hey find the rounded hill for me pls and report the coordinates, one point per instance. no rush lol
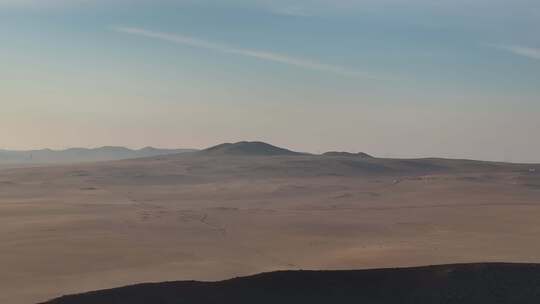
(247, 148)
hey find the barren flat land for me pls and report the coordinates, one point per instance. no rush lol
(210, 216)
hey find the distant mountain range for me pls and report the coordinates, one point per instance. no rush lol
(463, 284)
(74, 155)
(107, 153)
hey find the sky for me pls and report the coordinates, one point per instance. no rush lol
(394, 78)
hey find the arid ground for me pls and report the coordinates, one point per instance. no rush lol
(72, 228)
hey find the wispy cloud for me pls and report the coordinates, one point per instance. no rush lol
(532, 53)
(258, 54)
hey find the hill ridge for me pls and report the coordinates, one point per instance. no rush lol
(347, 154)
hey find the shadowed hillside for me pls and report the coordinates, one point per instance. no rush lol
(464, 283)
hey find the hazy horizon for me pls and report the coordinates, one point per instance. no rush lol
(456, 79)
(195, 149)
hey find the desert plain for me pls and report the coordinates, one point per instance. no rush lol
(72, 228)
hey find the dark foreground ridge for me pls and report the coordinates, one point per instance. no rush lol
(461, 283)
(246, 148)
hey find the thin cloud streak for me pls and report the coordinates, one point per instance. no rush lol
(258, 54)
(294, 11)
(523, 51)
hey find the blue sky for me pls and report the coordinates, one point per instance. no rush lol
(390, 77)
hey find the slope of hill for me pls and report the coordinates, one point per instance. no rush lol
(73, 155)
(247, 148)
(461, 283)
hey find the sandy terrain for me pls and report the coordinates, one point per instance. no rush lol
(74, 228)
